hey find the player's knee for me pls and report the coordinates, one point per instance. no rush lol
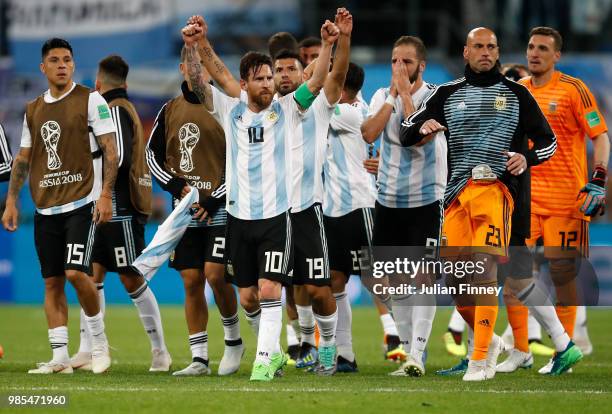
(562, 271)
(54, 285)
(338, 281)
(74, 276)
(131, 283)
(269, 289)
(249, 299)
(318, 294)
(193, 281)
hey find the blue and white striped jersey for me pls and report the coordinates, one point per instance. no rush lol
(348, 186)
(408, 176)
(308, 146)
(258, 171)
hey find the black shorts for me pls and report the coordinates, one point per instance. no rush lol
(198, 246)
(310, 258)
(350, 241)
(64, 241)
(259, 249)
(418, 226)
(119, 243)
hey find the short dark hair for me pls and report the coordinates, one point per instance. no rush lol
(310, 42)
(114, 69)
(548, 31)
(252, 62)
(55, 43)
(415, 42)
(354, 78)
(280, 41)
(289, 54)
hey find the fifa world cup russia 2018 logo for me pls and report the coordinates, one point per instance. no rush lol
(50, 132)
(189, 135)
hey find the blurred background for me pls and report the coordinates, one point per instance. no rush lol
(147, 34)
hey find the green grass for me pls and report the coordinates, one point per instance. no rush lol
(129, 387)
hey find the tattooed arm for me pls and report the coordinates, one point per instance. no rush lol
(19, 173)
(213, 64)
(103, 211)
(199, 86)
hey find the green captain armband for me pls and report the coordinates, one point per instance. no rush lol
(303, 96)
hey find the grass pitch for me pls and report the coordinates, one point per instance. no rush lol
(129, 387)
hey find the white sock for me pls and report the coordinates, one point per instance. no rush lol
(85, 340)
(388, 324)
(95, 325)
(58, 338)
(231, 330)
(198, 343)
(253, 320)
(292, 339)
(543, 310)
(270, 328)
(534, 328)
(422, 319)
(456, 323)
(344, 336)
(507, 331)
(295, 324)
(307, 323)
(402, 314)
(327, 328)
(148, 310)
(580, 326)
(101, 297)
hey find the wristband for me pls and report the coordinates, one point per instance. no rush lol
(390, 100)
(599, 176)
(303, 96)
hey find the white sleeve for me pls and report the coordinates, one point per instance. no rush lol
(99, 116)
(222, 104)
(26, 137)
(377, 101)
(347, 119)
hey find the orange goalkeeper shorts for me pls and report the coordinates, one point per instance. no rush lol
(479, 220)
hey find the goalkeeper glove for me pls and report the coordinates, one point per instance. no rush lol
(595, 201)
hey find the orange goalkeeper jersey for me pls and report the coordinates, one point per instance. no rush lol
(572, 112)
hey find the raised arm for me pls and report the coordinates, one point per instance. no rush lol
(381, 108)
(335, 80)
(213, 64)
(21, 167)
(192, 34)
(329, 35)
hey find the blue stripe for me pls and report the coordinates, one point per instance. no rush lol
(282, 199)
(255, 172)
(308, 159)
(234, 195)
(346, 199)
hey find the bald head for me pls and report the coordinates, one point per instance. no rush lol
(481, 51)
(479, 31)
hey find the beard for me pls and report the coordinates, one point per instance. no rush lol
(263, 100)
(415, 75)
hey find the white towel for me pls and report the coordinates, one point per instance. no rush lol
(166, 237)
